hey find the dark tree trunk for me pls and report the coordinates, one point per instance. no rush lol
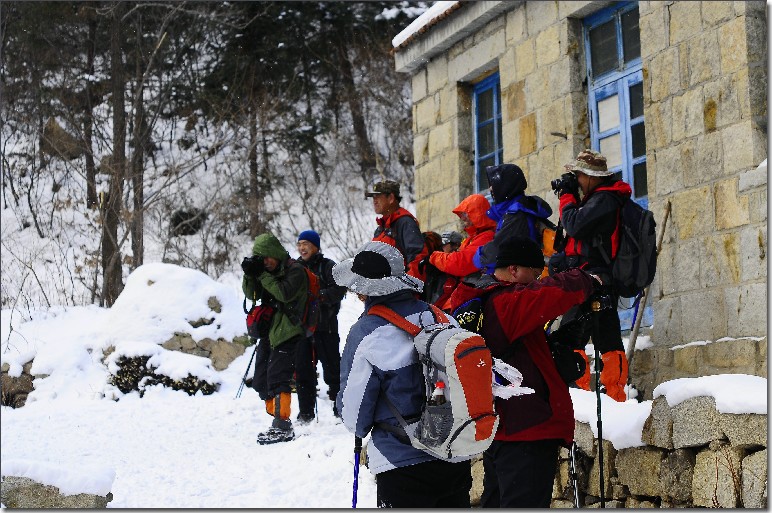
(366, 152)
(140, 138)
(88, 120)
(112, 279)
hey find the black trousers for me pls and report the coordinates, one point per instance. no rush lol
(274, 367)
(605, 327)
(519, 474)
(305, 375)
(433, 484)
(327, 347)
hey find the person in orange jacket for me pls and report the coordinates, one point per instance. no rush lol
(480, 228)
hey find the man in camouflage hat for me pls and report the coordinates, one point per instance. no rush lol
(591, 227)
(396, 226)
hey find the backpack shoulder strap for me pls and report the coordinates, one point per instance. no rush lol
(400, 322)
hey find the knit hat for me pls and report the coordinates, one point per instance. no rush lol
(310, 236)
(590, 163)
(506, 181)
(377, 269)
(384, 187)
(520, 251)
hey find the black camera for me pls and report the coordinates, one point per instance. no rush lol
(252, 265)
(566, 183)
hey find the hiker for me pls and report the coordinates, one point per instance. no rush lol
(379, 360)
(435, 281)
(279, 281)
(451, 241)
(515, 213)
(472, 213)
(521, 462)
(326, 340)
(397, 226)
(591, 226)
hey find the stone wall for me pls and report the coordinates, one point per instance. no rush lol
(23, 492)
(694, 457)
(705, 107)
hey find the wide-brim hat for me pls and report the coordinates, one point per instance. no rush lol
(384, 187)
(377, 269)
(590, 163)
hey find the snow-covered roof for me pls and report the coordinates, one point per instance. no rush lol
(430, 17)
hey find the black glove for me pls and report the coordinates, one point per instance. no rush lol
(573, 334)
(252, 266)
(424, 266)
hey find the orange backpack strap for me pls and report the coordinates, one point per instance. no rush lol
(402, 323)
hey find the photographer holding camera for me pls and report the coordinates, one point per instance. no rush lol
(590, 226)
(279, 281)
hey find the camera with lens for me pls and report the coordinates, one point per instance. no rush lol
(252, 265)
(566, 183)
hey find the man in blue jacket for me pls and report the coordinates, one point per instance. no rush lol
(379, 360)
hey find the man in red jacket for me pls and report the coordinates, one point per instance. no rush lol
(521, 462)
(396, 226)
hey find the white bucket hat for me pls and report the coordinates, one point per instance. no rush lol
(377, 269)
(590, 163)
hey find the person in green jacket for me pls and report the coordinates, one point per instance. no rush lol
(279, 282)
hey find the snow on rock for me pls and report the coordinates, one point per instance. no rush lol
(71, 479)
(734, 393)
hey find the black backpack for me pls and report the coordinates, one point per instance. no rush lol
(636, 260)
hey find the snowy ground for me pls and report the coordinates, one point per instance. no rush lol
(170, 450)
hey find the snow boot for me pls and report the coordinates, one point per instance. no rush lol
(305, 418)
(281, 427)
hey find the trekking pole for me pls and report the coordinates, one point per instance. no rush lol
(357, 453)
(244, 378)
(642, 303)
(573, 475)
(596, 307)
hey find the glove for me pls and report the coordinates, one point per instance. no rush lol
(252, 266)
(572, 189)
(423, 264)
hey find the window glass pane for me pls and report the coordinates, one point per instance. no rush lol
(631, 36)
(485, 105)
(482, 179)
(608, 113)
(636, 100)
(638, 133)
(485, 141)
(639, 180)
(611, 148)
(603, 48)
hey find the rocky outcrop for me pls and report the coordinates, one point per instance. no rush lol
(23, 492)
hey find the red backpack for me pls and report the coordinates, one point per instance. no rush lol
(312, 309)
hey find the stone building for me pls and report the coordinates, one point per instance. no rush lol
(673, 93)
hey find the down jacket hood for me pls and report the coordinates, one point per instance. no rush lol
(475, 206)
(267, 245)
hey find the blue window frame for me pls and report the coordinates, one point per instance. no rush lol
(615, 86)
(488, 142)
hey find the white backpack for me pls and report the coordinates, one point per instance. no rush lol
(466, 423)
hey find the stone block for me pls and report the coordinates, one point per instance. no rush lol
(553, 121)
(659, 124)
(668, 159)
(716, 482)
(594, 484)
(540, 15)
(665, 67)
(515, 28)
(528, 134)
(449, 104)
(514, 101)
(667, 313)
(687, 360)
(418, 85)
(756, 38)
(685, 269)
(738, 141)
(731, 208)
(653, 32)
(507, 70)
(754, 480)
(425, 114)
(638, 468)
(676, 474)
(695, 422)
(731, 354)
(223, 353)
(480, 57)
(692, 212)
(704, 61)
(658, 428)
(685, 21)
(420, 149)
(547, 45)
(584, 438)
(437, 73)
(753, 178)
(525, 59)
(714, 13)
(704, 318)
(746, 431)
(722, 102)
(753, 241)
(688, 114)
(757, 206)
(734, 48)
(708, 160)
(511, 133)
(440, 139)
(746, 308)
(539, 95)
(206, 344)
(720, 259)
(561, 79)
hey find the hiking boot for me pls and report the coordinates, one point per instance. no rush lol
(305, 418)
(275, 435)
(335, 410)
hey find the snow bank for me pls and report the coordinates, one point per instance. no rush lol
(734, 393)
(70, 479)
